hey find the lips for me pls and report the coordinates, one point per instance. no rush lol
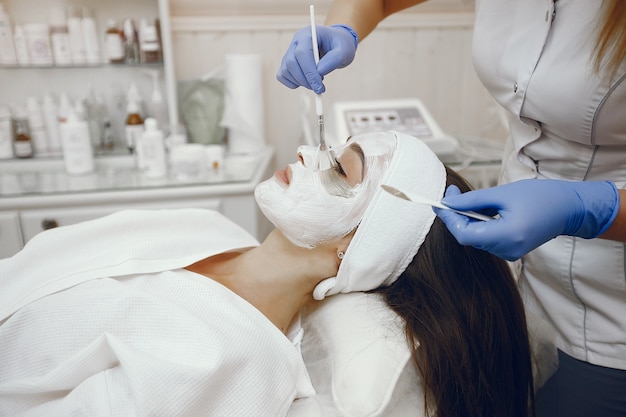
(283, 176)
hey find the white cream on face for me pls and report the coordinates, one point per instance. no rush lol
(306, 213)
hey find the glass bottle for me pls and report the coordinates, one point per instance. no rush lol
(22, 144)
(131, 42)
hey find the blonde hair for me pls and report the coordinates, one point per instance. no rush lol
(611, 43)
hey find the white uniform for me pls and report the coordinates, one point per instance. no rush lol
(98, 319)
(535, 57)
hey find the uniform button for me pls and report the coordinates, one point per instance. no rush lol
(547, 15)
(515, 87)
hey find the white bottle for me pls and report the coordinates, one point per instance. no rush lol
(153, 150)
(77, 150)
(21, 46)
(156, 106)
(60, 38)
(91, 38)
(38, 132)
(38, 41)
(75, 33)
(6, 133)
(7, 47)
(51, 118)
(64, 107)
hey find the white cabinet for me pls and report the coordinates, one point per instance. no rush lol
(34, 198)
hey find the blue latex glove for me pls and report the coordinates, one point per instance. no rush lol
(337, 47)
(531, 212)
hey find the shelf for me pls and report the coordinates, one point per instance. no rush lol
(82, 66)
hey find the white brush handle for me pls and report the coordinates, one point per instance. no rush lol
(319, 106)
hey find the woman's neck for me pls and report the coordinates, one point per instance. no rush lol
(276, 281)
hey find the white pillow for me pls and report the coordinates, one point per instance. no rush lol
(355, 350)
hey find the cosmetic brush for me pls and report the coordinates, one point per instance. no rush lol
(325, 156)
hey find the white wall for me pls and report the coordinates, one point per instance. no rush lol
(424, 54)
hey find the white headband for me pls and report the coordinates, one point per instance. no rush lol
(392, 229)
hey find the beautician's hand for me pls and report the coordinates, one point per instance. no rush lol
(337, 47)
(531, 213)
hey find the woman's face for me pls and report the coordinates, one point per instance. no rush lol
(297, 201)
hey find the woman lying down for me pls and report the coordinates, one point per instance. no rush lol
(182, 313)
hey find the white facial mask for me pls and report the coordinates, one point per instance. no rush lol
(306, 213)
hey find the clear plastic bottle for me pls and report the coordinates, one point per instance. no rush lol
(131, 42)
(7, 47)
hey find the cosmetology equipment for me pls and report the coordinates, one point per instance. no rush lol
(325, 156)
(404, 115)
(423, 200)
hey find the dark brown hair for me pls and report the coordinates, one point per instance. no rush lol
(466, 328)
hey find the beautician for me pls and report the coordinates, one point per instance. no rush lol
(558, 68)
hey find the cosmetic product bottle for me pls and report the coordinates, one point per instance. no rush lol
(108, 142)
(60, 38)
(153, 150)
(22, 145)
(7, 47)
(131, 42)
(64, 107)
(38, 41)
(21, 46)
(90, 37)
(156, 106)
(77, 150)
(75, 32)
(6, 133)
(50, 112)
(134, 126)
(150, 50)
(38, 132)
(114, 43)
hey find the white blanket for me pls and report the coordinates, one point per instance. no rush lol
(135, 342)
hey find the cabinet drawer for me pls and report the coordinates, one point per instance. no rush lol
(35, 221)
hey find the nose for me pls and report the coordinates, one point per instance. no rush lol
(307, 155)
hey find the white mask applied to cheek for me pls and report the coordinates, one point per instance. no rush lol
(306, 213)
